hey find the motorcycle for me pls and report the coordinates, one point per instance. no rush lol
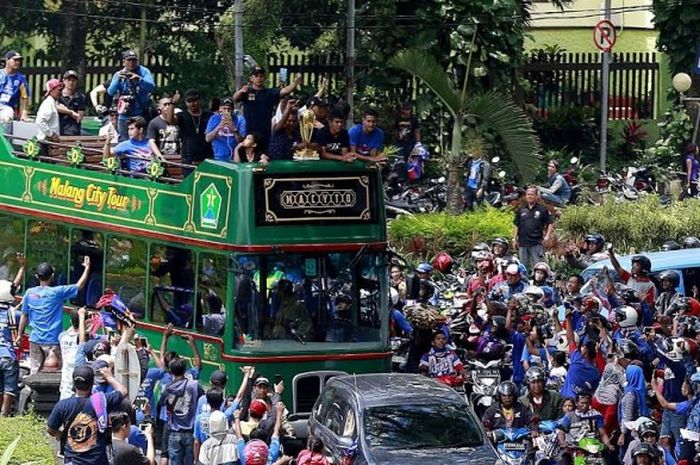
(587, 451)
(513, 445)
(484, 378)
(546, 444)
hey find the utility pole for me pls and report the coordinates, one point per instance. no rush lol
(238, 41)
(350, 62)
(604, 104)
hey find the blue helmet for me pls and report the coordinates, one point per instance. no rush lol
(424, 268)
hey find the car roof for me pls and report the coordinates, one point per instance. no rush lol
(660, 261)
(377, 389)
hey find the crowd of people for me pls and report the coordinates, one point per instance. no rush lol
(614, 357)
(256, 124)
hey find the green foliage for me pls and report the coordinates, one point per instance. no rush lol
(674, 130)
(570, 129)
(424, 235)
(33, 446)
(677, 23)
(620, 222)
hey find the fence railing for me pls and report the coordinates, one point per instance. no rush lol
(574, 80)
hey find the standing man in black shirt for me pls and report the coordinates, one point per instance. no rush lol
(334, 140)
(71, 105)
(193, 125)
(407, 130)
(259, 103)
(530, 222)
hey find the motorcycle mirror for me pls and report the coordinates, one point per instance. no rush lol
(573, 160)
(495, 160)
(501, 174)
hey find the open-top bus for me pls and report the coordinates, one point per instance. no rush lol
(219, 240)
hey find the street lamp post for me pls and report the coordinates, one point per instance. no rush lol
(682, 83)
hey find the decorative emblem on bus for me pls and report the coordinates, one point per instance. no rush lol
(75, 154)
(210, 207)
(31, 148)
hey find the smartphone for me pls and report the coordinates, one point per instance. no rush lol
(144, 342)
(648, 329)
(284, 74)
(278, 378)
(140, 402)
(143, 425)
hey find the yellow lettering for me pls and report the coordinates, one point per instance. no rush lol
(64, 191)
(116, 201)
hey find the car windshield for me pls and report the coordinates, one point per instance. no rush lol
(421, 426)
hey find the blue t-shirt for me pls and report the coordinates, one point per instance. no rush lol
(581, 371)
(145, 86)
(85, 445)
(6, 349)
(225, 141)
(138, 438)
(363, 142)
(12, 88)
(43, 305)
(140, 149)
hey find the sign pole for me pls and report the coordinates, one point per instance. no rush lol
(604, 97)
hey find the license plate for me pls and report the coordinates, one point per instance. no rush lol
(514, 447)
(488, 373)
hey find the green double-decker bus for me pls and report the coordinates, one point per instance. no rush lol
(283, 267)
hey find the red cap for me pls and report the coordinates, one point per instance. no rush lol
(258, 407)
(52, 85)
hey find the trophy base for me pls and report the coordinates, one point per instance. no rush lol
(306, 154)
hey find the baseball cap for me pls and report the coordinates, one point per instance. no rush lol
(257, 70)
(130, 55)
(12, 54)
(192, 94)
(227, 101)
(218, 377)
(83, 377)
(52, 85)
(258, 407)
(262, 380)
(44, 270)
(70, 73)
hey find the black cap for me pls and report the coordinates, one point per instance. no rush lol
(227, 101)
(218, 377)
(70, 73)
(192, 94)
(83, 377)
(12, 54)
(44, 270)
(257, 70)
(317, 102)
(262, 380)
(129, 55)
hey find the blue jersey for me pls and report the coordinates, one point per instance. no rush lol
(13, 87)
(364, 143)
(143, 88)
(43, 305)
(137, 154)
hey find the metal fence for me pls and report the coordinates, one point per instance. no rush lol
(574, 80)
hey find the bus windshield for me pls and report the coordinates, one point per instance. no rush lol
(303, 302)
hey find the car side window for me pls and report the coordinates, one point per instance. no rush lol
(340, 419)
(321, 410)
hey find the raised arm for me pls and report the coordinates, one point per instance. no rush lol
(82, 331)
(20, 273)
(119, 387)
(86, 272)
(164, 342)
(195, 352)
(613, 260)
(95, 93)
(292, 85)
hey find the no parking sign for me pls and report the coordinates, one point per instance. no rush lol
(604, 35)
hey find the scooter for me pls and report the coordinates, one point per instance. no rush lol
(546, 444)
(484, 378)
(513, 445)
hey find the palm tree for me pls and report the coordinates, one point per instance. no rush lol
(495, 110)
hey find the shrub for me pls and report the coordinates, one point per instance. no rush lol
(33, 445)
(423, 236)
(633, 226)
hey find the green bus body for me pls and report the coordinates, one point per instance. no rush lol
(320, 216)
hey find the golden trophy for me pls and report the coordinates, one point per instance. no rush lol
(306, 129)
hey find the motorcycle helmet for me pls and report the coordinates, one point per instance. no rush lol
(507, 388)
(685, 306)
(591, 303)
(691, 242)
(543, 267)
(670, 275)
(502, 242)
(627, 349)
(480, 247)
(484, 262)
(626, 293)
(694, 381)
(626, 316)
(644, 449)
(429, 288)
(670, 245)
(535, 373)
(644, 262)
(7, 291)
(648, 426)
(534, 293)
(443, 262)
(562, 341)
(594, 238)
(583, 391)
(424, 268)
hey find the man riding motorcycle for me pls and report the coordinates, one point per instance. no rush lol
(507, 412)
(592, 252)
(583, 422)
(544, 404)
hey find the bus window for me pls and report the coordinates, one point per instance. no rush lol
(125, 272)
(87, 243)
(47, 242)
(12, 240)
(212, 293)
(172, 286)
(309, 300)
(247, 299)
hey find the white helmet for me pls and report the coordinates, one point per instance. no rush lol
(627, 316)
(562, 341)
(7, 292)
(680, 347)
(534, 293)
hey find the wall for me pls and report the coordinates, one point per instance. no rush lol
(581, 39)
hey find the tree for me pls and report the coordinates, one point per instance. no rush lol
(495, 110)
(677, 23)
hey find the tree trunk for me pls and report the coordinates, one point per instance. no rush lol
(72, 48)
(454, 186)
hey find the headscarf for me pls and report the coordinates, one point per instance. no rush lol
(637, 385)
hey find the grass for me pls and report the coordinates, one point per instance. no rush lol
(33, 446)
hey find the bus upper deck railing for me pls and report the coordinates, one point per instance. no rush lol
(85, 154)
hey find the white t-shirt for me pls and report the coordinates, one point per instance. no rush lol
(47, 119)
